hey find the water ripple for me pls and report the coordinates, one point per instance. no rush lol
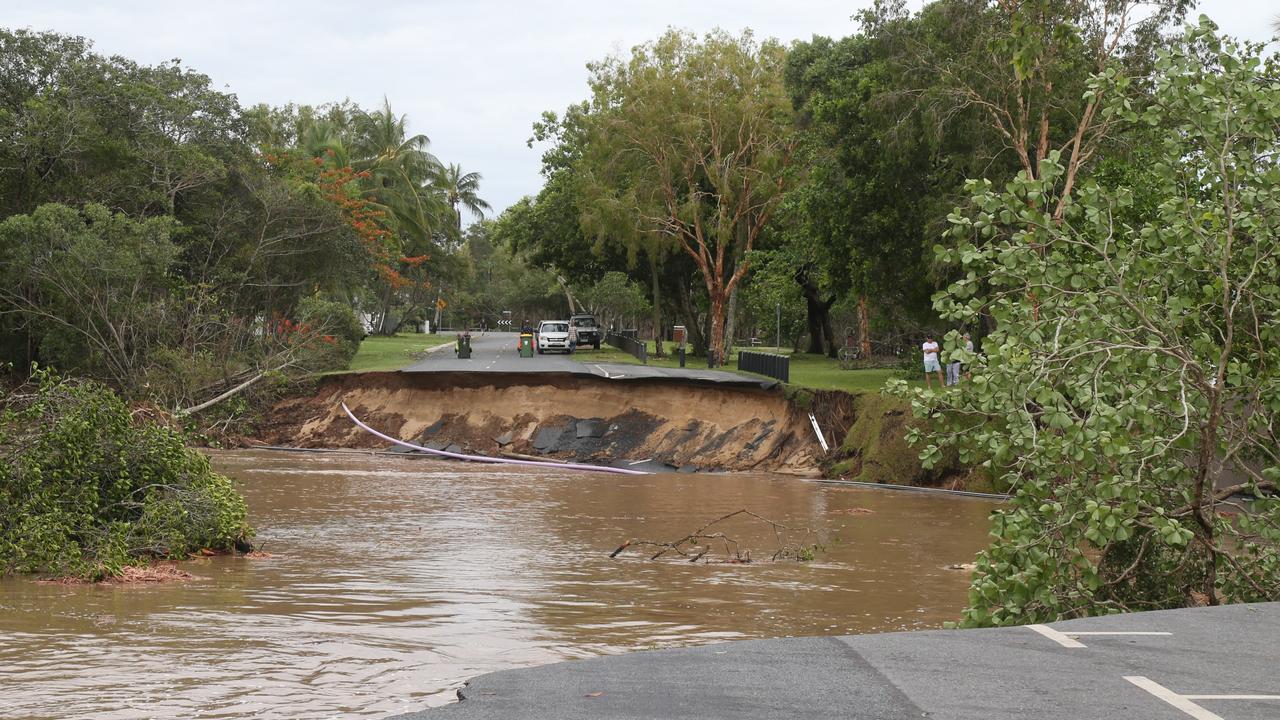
(393, 580)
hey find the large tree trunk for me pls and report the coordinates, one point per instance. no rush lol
(715, 348)
(833, 350)
(564, 285)
(385, 321)
(692, 323)
(657, 310)
(817, 315)
(864, 326)
(731, 324)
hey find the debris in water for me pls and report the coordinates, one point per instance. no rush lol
(697, 544)
(131, 575)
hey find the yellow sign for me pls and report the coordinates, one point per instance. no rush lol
(441, 304)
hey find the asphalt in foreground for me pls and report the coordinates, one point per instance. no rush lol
(498, 352)
(1201, 663)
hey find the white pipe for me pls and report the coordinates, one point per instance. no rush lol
(821, 440)
(484, 459)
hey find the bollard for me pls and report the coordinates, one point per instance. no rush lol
(681, 356)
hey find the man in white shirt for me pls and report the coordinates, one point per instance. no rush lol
(931, 364)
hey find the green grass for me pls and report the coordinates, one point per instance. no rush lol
(379, 352)
(823, 373)
(807, 371)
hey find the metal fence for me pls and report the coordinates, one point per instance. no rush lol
(775, 366)
(626, 341)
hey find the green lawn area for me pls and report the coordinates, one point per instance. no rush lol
(379, 352)
(810, 371)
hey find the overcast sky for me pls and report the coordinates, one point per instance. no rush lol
(471, 74)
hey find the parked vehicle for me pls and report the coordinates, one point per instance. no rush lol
(586, 331)
(554, 335)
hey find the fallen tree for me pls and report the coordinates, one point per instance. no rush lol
(696, 545)
(88, 488)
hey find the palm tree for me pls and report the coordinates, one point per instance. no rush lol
(323, 139)
(401, 169)
(461, 190)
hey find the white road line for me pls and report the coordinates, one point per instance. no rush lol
(1056, 636)
(606, 372)
(1182, 702)
(1082, 634)
(1067, 638)
(1232, 697)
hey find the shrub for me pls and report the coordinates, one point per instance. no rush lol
(338, 325)
(86, 489)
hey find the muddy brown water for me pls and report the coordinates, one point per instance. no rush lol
(395, 579)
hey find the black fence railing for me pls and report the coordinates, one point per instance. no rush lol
(626, 341)
(775, 366)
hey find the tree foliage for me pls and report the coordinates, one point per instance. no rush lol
(1128, 395)
(691, 139)
(86, 489)
(614, 300)
(225, 226)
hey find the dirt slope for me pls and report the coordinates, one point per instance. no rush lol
(579, 418)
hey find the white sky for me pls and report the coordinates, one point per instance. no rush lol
(472, 75)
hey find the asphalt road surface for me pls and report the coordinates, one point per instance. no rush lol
(1201, 663)
(499, 352)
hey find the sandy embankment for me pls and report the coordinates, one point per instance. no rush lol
(569, 417)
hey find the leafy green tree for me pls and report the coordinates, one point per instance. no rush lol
(94, 287)
(499, 280)
(858, 221)
(692, 137)
(772, 291)
(1131, 406)
(82, 128)
(614, 299)
(1021, 69)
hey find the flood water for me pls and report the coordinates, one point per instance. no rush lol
(392, 580)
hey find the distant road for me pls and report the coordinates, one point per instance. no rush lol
(498, 352)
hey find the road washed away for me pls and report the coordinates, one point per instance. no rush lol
(656, 423)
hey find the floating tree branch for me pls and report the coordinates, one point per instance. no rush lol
(698, 543)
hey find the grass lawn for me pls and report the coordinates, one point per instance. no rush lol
(808, 371)
(379, 352)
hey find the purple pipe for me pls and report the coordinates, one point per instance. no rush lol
(483, 459)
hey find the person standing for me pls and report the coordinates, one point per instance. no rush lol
(964, 369)
(953, 368)
(931, 365)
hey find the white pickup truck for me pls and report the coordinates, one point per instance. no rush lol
(554, 335)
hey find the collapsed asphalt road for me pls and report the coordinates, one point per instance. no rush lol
(498, 352)
(1201, 663)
